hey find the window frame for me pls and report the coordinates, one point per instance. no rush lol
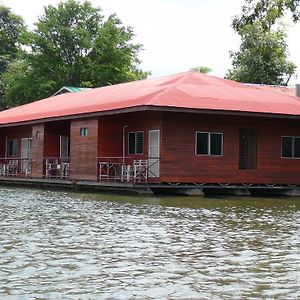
(293, 146)
(209, 143)
(83, 131)
(135, 143)
(7, 148)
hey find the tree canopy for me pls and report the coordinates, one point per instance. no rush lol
(263, 54)
(262, 57)
(11, 29)
(267, 12)
(202, 69)
(72, 44)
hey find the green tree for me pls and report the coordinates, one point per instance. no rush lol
(114, 58)
(263, 53)
(268, 12)
(11, 29)
(201, 69)
(73, 45)
(262, 57)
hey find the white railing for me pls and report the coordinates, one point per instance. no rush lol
(126, 169)
(57, 167)
(15, 167)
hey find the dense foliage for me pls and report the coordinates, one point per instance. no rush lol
(72, 45)
(263, 54)
(202, 69)
(262, 57)
(268, 12)
(11, 28)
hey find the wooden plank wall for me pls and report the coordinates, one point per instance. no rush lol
(2, 142)
(111, 132)
(53, 130)
(180, 164)
(83, 150)
(38, 151)
(16, 132)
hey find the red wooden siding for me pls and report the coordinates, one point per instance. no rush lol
(2, 142)
(111, 132)
(17, 132)
(83, 150)
(53, 131)
(110, 136)
(37, 151)
(180, 164)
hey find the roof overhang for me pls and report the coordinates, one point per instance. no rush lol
(153, 108)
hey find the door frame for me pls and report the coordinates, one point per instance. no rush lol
(155, 159)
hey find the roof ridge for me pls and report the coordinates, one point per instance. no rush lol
(163, 91)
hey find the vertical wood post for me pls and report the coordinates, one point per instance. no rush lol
(84, 149)
(38, 134)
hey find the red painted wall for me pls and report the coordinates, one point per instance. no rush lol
(180, 164)
(178, 160)
(2, 142)
(53, 130)
(111, 132)
(16, 132)
(83, 150)
(37, 151)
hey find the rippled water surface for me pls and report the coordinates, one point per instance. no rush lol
(58, 245)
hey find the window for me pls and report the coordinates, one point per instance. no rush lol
(290, 147)
(209, 143)
(12, 147)
(248, 149)
(136, 142)
(84, 132)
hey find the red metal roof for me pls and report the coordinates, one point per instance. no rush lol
(189, 90)
(287, 90)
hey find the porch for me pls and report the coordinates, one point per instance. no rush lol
(128, 169)
(17, 167)
(57, 167)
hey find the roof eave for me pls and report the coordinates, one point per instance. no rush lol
(153, 108)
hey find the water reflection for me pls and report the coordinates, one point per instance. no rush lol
(57, 245)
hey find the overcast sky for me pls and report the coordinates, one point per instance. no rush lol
(176, 34)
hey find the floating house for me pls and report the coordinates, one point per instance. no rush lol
(182, 131)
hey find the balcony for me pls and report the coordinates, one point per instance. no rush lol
(126, 169)
(57, 167)
(17, 167)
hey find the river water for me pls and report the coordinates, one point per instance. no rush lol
(59, 245)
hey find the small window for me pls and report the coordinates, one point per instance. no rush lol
(209, 143)
(12, 147)
(290, 147)
(136, 142)
(84, 132)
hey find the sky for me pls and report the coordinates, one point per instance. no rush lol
(177, 35)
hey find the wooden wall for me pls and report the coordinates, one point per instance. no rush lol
(83, 150)
(53, 130)
(16, 132)
(180, 164)
(111, 132)
(178, 160)
(2, 142)
(38, 151)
